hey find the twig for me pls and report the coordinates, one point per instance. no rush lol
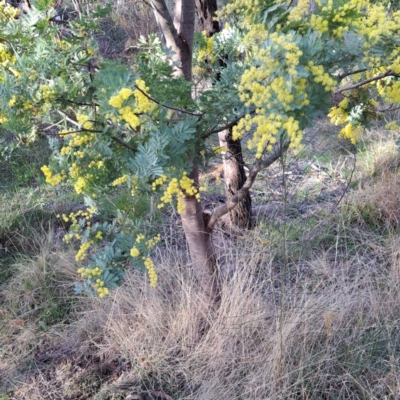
(122, 143)
(344, 74)
(169, 107)
(63, 113)
(356, 85)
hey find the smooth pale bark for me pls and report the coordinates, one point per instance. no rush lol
(179, 41)
(178, 33)
(201, 249)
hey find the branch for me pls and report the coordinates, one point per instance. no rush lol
(344, 74)
(356, 85)
(122, 143)
(169, 107)
(229, 125)
(242, 193)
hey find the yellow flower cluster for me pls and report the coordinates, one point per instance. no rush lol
(80, 185)
(392, 126)
(395, 66)
(134, 187)
(75, 227)
(53, 179)
(266, 87)
(83, 250)
(159, 181)
(322, 77)
(96, 164)
(12, 101)
(152, 242)
(378, 23)
(205, 51)
(219, 149)
(74, 170)
(6, 57)
(390, 91)
(337, 18)
(139, 238)
(181, 189)
(339, 115)
(144, 105)
(148, 263)
(79, 138)
(102, 291)
(120, 181)
(128, 115)
(141, 103)
(84, 121)
(351, 132)
(89, 272)
(45, 92)
(124, 94)
(135, 252)
(7, 12)
(298, 12)
(3, 119)
(79, 154)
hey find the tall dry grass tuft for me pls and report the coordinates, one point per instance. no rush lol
(332, 335)
(37, 305)
(376, 203)
(327, 328)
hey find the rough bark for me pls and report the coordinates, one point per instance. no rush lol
(206, 10)
(259, 165)
(234, 173)
(234, 179)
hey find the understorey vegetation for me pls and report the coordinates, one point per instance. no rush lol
(211, 212)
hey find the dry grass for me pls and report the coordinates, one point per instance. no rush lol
(333, 333)
(377, 201)
(320, 323)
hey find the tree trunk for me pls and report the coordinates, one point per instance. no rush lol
(178, 33)
(234, 179)
(234, 173)
(200, 245)
(206, 11)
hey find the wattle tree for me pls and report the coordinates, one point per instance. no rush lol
(124, 134)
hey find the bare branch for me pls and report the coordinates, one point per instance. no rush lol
(122, 143)
(356, 85)
(344, 74)
(218, 212)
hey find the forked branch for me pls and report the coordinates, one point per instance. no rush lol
(218, 212)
